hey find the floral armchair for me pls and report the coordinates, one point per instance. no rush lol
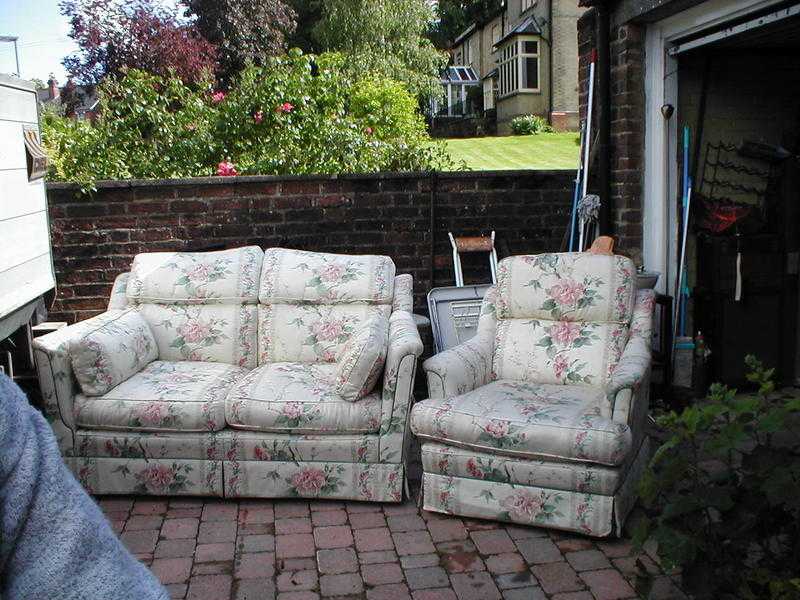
(540, 418)
(241, 374)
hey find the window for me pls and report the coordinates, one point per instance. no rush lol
(519, 66)
(467, 53)
(457, 59)
(526, 4)
(495, 34)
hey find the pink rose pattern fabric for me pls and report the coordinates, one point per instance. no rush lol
(517, 418)
(165, 396)
(224, 277)
(114, 346)
(298, 398)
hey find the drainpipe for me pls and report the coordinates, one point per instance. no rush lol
(604, 117)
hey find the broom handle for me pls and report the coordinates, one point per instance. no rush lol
(588, 139)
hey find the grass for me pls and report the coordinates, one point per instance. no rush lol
(542, 151)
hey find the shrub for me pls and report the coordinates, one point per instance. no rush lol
(723, 493)
(299, 114)
(530, 125)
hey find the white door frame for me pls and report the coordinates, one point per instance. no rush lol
(659, 218)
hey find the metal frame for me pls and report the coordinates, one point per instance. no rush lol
(459, 273)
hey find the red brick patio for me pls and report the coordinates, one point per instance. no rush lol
(295, 550)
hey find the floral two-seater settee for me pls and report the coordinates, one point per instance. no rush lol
(239, 373)
(540, 418)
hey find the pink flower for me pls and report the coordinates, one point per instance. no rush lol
(157, 477)
(286, 107)
(497, 429)
(368, 130)
(260, 453)
(112, 449)
(332, 272)
(218, 97)
(309, 481)
(152, 414)
(523, 504)
(474, 470)
(567, 292)
(560, 365)
(194, 331)
(293, 410)
(226, 169)
(564, 332)
(200, 272)
(258, 116)
(327, 331)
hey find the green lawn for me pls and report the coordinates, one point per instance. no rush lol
(542, 151)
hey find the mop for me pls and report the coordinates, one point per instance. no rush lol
(587, 138)
(576, 192)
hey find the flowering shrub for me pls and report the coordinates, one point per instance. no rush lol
(299, 114)
(530, 125)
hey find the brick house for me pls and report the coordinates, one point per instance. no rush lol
(727, 70)
(522, 60)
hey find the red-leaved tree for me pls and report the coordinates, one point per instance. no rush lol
(116, 34)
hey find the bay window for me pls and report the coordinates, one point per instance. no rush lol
(519, 65)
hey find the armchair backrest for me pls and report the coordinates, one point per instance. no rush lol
(562, 318)
(201, 306)
(310, 303)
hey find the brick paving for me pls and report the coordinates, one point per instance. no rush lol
(206, 549)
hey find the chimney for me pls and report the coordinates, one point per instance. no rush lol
(52, 86)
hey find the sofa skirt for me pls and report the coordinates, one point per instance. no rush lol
(369, 482)
(593, 514)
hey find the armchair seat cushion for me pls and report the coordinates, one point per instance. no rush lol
(164, 396)
(524, 419)
(299, 398)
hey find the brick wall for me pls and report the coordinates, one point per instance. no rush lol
(96, 237)
(627, 125)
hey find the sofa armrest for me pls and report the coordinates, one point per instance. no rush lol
(634, 364)
(118, 299)
(461, 368)
(405, 347)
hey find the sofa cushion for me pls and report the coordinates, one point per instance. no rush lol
(297, 276)
(566, 287)
(518, 418)
(114, 346)
(361, 361)
(164, 396)
(298, 398)
(210, 333)
(225, 277)
(309, 332)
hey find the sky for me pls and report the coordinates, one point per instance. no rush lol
(43, 38)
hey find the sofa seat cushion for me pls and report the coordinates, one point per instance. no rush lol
(164, 396)
(299, 398)
(519, 418)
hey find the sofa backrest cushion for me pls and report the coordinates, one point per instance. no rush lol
(112, 347)
(362, 358)
(200, 305)
(562, 318)
(223, 277)
(311, 303)
(300, 277)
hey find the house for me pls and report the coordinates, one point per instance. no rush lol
(77, 101)
(722, 74)
(522, 60)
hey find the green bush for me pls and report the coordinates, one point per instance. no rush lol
(299, 114)
(723, 493)
(530, 125)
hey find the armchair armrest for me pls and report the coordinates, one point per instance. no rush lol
(118, 299)
(461, 368)
(405, 347)
(628, 388)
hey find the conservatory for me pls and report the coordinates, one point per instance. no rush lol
(457, 100)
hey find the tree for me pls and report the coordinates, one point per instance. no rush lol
(384, 38)
(115, 35)
(454, 16)
(307, 17)
(245, 31)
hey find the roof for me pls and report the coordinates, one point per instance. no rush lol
(459, 74)
(464, 34)
(527, 26)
